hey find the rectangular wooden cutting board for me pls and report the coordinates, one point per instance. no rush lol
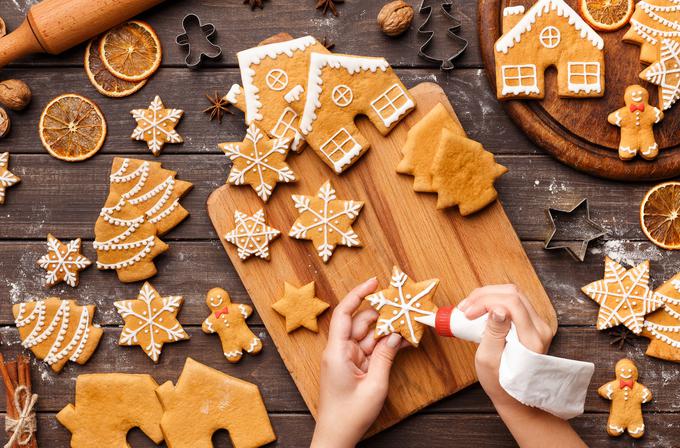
(397, 227)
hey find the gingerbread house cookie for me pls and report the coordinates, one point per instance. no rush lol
(274, 76)
(550, 33)
(339, 88)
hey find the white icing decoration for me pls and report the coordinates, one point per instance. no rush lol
(664, 332)
(233, 354)
(255, 55)
(69, 263)
(7, 179)
(618, 117)
(254, 343)
(550, 37)
(276, 79)
(154, 125)
(333, 146)
(513, 36)
(294, 94)
(666, 74)
(317, 62)
(579, 74)
(243, 310)
(408, 307)
(652, 10)
(513, 10)
(650, 149)
(514, 73)
(627, 150)
(342, 95)
(251, 235)
(393, 100)
(285, 123)
(233, 94)
(651, 34)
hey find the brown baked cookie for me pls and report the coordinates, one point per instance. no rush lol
(150, 321)
(252, 235)
(7, 178)
(57, 331)
(107, 406)
(401, 303)
(228, 320)
(205, 400)
(627, 397)
(662, 327)
(300, 307)
(156, 125)
(63, 262)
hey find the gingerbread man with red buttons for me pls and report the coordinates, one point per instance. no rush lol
(228, 320)
(627, 397)
(636, 120)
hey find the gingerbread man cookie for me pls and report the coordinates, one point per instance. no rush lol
(627, 397)
(228, 320)
(636, 121)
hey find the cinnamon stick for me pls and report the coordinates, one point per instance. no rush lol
(14, 374)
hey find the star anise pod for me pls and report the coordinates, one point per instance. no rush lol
(620, 336)
(218, 107)
(329, 44)
(254, 4)
(328, 5)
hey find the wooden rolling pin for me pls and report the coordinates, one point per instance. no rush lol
(53, 26)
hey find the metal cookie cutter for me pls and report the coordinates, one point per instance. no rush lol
(447, 62)
(208, 31)
(577, 223)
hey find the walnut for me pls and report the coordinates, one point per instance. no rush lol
(14, 94)
(395, 17)
(4, 123)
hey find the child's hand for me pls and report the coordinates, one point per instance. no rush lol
(505, 304)
(355, 372)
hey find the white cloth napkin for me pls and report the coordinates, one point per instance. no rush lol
(552, 384)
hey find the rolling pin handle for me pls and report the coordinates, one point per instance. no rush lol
(19, 43)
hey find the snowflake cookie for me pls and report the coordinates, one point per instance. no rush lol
(156, 125)
(666, 72)
(326, 220)
(259, 162)
(624, 296)
(150, 321)
(7, 179)
(63, 262)
(401, 303)
(57, 331)
(300, 307)
(228, 320)
(252, 235)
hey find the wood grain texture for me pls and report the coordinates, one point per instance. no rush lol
(576, 131)
(397, 227)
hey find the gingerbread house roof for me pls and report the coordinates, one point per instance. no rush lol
(353, 64)
(513, 36)
(247, 58)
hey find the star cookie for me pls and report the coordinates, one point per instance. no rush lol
(252, 235)
(156, 125)
(7, 179)
(150, 321)
(401, 303)
(326, 221)
(666, 73)
(624, 296)
(259, 162)
(300, 307)
(63, 262)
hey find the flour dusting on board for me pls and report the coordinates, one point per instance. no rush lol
(629, 252)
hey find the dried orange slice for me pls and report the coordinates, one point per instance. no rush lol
(131, 51)
(660, 215)
(72, 128)
(606, 15)
(102, 79)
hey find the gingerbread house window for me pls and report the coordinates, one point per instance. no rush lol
(341, 148)
(342, 95)
(550, 37)
(519, 79)
(391, 104)
(277, 79)
(285, 123)
(583, 76)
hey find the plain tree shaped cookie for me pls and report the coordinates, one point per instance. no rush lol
(206, 400)
(108, 406)
(228, 320)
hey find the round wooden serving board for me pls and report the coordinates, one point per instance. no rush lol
(576, 131)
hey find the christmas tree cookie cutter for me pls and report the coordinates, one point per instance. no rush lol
(574, 237)
(446, 6)
(208, 31)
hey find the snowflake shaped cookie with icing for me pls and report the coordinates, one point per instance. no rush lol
(7, 179)
(252, 235)
(63, 262)
(624, 296)
(150, 321)
(401, 303)
(156, 125)
(259, 162)
(326, 220)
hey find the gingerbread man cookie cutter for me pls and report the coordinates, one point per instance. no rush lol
(208, 31)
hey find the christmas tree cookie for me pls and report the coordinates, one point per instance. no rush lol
(662, 327)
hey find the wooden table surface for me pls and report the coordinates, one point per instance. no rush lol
(65, 199)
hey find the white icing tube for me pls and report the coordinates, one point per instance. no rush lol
(552, 384)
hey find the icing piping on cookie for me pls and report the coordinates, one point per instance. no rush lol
(233, 94)
(251, 235)
(63, 265)
(294, 94)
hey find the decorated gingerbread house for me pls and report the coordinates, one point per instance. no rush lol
(340, 87)
(550, 33)
(275, 74)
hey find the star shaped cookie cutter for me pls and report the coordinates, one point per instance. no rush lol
(577, 243)
(208, 30)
